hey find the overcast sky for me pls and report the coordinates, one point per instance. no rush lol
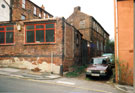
(101, 10)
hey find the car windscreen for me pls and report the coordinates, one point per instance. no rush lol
(98, 61)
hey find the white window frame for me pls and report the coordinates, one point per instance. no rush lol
(35, 10)
(23, 17)
(23, 4)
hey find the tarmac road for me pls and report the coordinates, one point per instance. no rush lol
(14, 85)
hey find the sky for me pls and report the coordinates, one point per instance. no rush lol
(101, 10)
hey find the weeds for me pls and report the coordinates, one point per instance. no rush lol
(77, 70)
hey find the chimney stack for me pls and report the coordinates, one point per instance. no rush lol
(76, 9)
(43, 7)
(42, 13)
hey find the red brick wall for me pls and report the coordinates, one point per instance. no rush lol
(72, 46)
(68, 43)
(34, 52)
(27, 12)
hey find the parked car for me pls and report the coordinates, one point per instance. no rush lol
(111, 56)
(99, 66)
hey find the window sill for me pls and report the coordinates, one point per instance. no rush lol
(40, 43)
(24, 9)
(35, 15)
(7, 44)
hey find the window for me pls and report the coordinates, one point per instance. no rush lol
(23, 17)
(82, 24)
(101, 46)
(97, 45)
(34, 10)
(23, 3)
(40, 33)
(44, 16)
(7, 34)
(3, 6)
(40, 15)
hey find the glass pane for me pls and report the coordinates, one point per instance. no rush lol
(23, 5)
(49, 25)
(49, 35)
(30, 27)
(9, 28)
(39, 26)
(1, 28)
(40, 36)
(9, 37)
(1, 37)
(30, 37)
(23, 17)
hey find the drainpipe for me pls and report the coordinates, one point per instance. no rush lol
(134, 47)
(117, 35)
(51, 62)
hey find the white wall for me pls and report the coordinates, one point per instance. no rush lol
(4, 12)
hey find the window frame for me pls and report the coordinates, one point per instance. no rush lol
(23, 16)
(5, 31)
(35, 10)
(23, 4)
(44, 29)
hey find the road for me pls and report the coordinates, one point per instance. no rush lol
(14, 85)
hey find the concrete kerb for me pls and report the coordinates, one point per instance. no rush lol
(124, 88)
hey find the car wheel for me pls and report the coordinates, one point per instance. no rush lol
(87, 76)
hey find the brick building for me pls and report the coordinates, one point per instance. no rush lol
(92, 31)
(46, 44)
(22, 10)
(124, 40)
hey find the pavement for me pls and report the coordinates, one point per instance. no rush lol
(27, 74)
(57, 79)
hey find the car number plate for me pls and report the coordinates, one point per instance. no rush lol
(94, 74)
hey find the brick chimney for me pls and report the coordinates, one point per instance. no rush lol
(42, 13)
(43, 7)
(76, 9)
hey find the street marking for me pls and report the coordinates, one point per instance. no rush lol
(63, 82)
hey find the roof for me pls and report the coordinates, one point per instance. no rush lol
(41, 8)
(100, 25)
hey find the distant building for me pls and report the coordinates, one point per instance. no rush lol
(92, 31)
(124, 46)
(12, 10)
